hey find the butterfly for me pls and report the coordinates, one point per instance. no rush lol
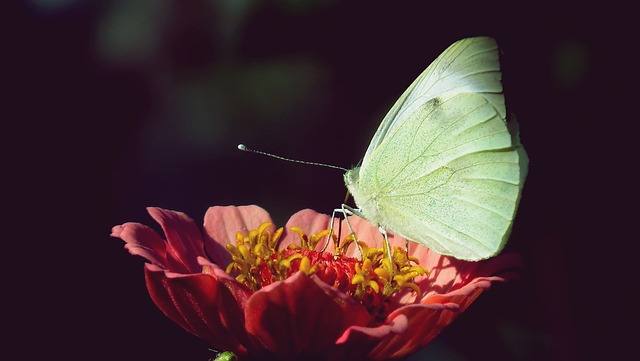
(445, 169)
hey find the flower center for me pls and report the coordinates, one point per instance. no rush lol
(256, 262)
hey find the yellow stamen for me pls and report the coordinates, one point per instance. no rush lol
(305, 265)
(256, 262)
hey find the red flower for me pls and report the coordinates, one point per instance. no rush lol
(295, 302)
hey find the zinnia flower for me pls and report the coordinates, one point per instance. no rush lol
(266, 293)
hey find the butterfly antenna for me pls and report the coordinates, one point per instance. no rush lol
(244, 148)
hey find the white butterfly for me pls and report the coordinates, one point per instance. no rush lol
(444, 169)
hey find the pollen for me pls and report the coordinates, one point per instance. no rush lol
(373, 280)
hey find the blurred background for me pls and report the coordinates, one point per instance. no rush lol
(117, 105)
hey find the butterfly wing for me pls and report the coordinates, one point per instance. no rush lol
(448, 177)
(468, 65)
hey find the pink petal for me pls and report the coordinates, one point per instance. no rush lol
(184, 240)
(310, 222)
(370, 234)
(142, 241)
(300, 316)
(447, 274)
(222, 223)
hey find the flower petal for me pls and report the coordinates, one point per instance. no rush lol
(448, 274)
(357, 341)
(184, 240)
(221, 223)
(424, 323)
(202, 305)
(453, 285)
(310, 222)
(240, 292)
(300, 316)
(142, 241)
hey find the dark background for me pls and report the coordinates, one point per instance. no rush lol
(117, 105)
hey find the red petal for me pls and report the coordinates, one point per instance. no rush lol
(240, 292)
(358, 341)
(183, 238)
(425, 322)
(301, 316)
(200, 304)
(222, 223)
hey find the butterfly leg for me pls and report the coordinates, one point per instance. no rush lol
(333, 217)
(387, 246)
(346, 212)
